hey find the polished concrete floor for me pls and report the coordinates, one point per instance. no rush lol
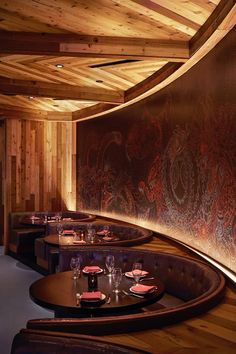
(16, 307)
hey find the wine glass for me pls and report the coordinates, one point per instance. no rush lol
(116, 279)
(137, 271)
(59, 229)
(110, 263)
(75, 266)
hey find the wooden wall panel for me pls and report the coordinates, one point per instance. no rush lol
(2, 177)
(39, 161)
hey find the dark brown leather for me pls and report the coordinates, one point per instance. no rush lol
(198, 284)
(22, 237)
(44, 342)
(128, 236)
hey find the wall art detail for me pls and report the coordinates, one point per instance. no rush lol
(169, 161)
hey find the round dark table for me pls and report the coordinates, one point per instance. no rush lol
(67, 240)
(58, 292)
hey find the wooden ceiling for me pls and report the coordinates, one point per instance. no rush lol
(110, 51)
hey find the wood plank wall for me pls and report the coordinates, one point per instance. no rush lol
(2, 177)
(40, 165)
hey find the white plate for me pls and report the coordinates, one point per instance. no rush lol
(141, 292)
(130, 275)
(103, 296)
(98, 272)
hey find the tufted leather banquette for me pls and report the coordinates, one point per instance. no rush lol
(45, 342)
(129, 235)
(196, 284)
(22, 237)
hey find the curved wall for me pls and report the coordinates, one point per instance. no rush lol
(168, 162)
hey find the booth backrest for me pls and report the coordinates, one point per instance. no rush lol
(183, 277)
(45, 342)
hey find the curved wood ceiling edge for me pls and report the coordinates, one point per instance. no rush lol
(101, 72)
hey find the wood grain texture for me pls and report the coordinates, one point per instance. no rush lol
(101, 45)
(40, 158)
(2, 177)
(210, 333)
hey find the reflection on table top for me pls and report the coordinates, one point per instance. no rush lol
(58, 292)
(63, 240)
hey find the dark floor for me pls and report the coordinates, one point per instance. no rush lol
(16, 307)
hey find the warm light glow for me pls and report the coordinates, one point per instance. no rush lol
(176, 236)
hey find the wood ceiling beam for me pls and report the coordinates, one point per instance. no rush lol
(221, 12)
(151, 81)
(90, 111)
(7, 111)
(92, 46)
(60, 91)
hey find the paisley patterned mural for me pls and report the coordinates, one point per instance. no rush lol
(169, 161)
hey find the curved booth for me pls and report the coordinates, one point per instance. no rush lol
(191, 287)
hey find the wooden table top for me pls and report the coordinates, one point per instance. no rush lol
(58, 292)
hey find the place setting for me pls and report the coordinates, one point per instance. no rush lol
(139, 275)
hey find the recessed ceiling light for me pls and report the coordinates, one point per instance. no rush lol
(99, 81)
(59, 66)
(31, 97)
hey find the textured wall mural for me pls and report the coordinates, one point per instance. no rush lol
(168, 162)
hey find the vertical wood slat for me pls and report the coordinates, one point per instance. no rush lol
(40, 157)
(2, 178)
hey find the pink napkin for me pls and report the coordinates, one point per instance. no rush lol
(107, 238)
(103, 232)
(68, 232)
(66, 219)
(94, 295)
(143, 288)
(79, 241)
(91, 269)
(136, 271)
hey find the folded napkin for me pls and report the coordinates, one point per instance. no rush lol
(34, 218)
(68, 232)
(93, 295)
(50, 221)
(143, 288)
(66, 219)
(107, 238)
(79, 241)
(136, 271)
(91, 269)
(103, 232)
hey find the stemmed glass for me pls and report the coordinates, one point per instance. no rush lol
(116, 279)
(110, 263)
(75, 266)
(59, 229)
(137, 271)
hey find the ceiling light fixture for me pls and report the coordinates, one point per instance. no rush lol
(59, 66)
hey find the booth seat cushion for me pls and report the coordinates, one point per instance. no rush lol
(45, 342)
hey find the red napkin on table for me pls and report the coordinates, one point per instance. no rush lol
(92, 269)
(143, 288)
(94, 295)
(143, 272)
(107, 238)
(103, 232)
(68, 232)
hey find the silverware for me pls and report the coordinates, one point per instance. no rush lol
(143, 279)
(77, 299)
(108, 299)
(132, 294)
